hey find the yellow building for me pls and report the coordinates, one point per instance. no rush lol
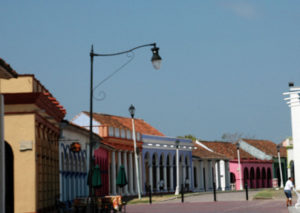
(31, 133)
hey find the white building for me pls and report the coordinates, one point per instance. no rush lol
(293, 101)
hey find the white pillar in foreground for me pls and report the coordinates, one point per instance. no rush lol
(294, 103)
(223, 175)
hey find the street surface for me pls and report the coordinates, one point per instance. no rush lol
(234, 202)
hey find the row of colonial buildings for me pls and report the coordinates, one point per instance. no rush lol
(38, 166)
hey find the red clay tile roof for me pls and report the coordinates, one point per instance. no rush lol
(226, 148)
(206, 154)
(267, 147)
(6, 71)
(122, 122)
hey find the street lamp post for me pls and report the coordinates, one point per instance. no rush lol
(239, 165)
(132, 111)
(156, 61)
(279, 162)
(177, 167)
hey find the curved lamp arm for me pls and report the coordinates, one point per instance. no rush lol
(156, 59)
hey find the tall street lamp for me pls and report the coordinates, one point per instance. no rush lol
(132, 111)
(239, 164)
(156, 61)
(177, 167)
(279, 162)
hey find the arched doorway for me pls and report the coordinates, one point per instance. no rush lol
(232, 181)
(246, 176)
(154, 176)
(147, 166)
(169, 158)
(257, 177)
(174, 172)
(263, 178)
(161, 172)
(252, 177)
(9, 179)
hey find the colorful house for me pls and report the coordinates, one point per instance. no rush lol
(209, 167)
(159, 163)
(255, 172)
(6, 204)
(288, 144)
(32, 118)
(267, 150)
(116, 131)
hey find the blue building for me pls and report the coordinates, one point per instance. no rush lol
(159, 163)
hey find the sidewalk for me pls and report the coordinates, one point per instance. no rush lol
(228, 202)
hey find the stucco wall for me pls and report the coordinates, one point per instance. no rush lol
(20, 128)
(17, 85)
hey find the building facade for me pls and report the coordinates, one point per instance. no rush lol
(209, 167)
(255, 172)
(159, 163)
(6, 72)
(32, 117)
(74, 166)
(267, 150)
(116, 131)
(293, 102)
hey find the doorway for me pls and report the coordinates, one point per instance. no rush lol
(9, 179)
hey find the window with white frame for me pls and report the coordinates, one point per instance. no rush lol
(111, 131)
(123, 135)
(128, 134)
(117, 132)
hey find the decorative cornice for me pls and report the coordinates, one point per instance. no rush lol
(39, 99)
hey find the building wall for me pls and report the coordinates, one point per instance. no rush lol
(18, 85)
(18, 129)
(157, 152)
(258, 181)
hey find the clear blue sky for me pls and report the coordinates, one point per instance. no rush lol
(225, 63)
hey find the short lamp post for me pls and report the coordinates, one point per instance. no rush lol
(156, 61)
(132, 111)
(279, 162)
(239, 164)
(177, 167)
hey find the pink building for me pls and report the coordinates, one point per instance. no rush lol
(256, 173)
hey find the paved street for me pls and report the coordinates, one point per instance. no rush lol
(227, 202)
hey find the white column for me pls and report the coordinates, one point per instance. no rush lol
(157, 175)
(113, 173)
(165, 177)
(177, 172)
(126, 171)
(240, 170)
(295, 119)
(210, 175)
(171, 176)
(2, 157)
(223, 175)
(131, 174)
(140, 172)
